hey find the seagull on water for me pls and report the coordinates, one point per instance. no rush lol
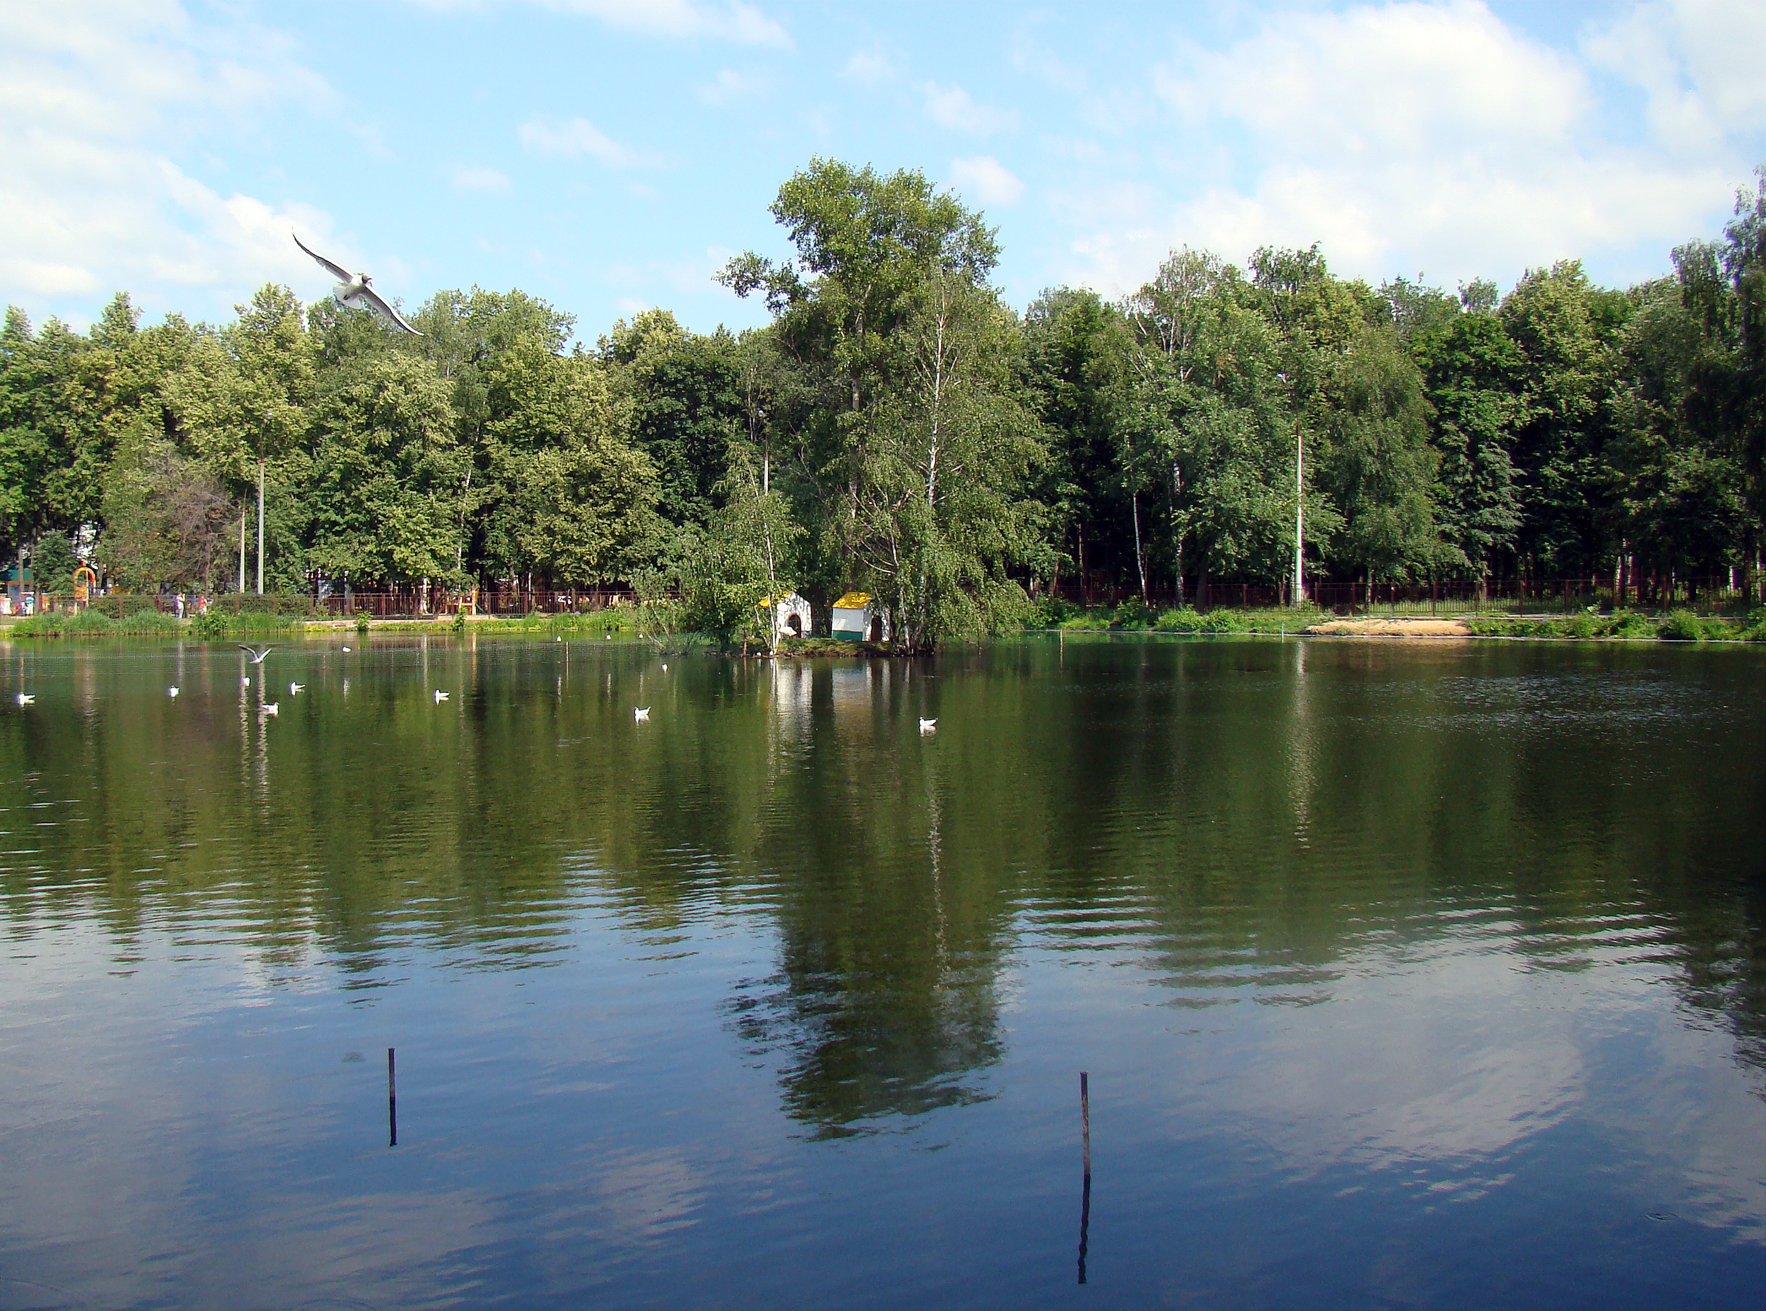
(346, 650)
(641, 714)
(25, 698)
(356, 289)
(295, 689)
(665, 666)
(440, 696)
(257, 656)
(928, 725)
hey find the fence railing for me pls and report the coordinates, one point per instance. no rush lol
(411, 603)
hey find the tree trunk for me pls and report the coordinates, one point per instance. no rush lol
(1140, 560)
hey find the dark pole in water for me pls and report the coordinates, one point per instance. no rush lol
(1085, 1194)
(1085, 1120)
(392, 1107)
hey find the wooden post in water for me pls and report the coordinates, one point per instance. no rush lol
(1085, 1147)
(392, 1102)
(1085, 1121)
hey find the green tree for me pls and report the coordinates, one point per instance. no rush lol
(1471, 377)
(915, 449)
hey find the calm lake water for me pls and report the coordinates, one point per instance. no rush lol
(1420, 974)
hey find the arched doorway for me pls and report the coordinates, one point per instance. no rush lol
(876, 633)
(795, 623)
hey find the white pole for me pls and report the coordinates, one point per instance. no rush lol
(260, 528)
(1299, 517)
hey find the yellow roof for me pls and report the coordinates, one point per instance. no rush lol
(853, 601)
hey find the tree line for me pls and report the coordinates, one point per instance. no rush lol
(897, 428)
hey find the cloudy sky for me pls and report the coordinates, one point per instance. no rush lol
(610, 154)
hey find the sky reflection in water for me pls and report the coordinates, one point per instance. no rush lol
(1404, 973)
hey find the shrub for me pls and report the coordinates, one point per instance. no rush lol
(1049, 612)
(209, 627)
(1184, 620)
(1681, 626)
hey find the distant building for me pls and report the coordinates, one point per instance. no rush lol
(791, 617)
(858, 618)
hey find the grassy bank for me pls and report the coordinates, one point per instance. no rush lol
(1132, 617)
(655, 626)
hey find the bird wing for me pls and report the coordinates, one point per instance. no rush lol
(336, 270)
(374, 298)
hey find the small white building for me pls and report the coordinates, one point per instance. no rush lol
(858, 618)
(791, 617)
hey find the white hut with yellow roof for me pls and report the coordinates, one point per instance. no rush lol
(858, 618)
(791, 616)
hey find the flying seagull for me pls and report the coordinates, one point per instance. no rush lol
(928, 725)
(257, 656)
(295, 689)
(641, 714)
(355, 289)
(172, 691)
(269, 708)
(440, 696)
(25, 698)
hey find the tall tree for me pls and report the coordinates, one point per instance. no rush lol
(916, 447)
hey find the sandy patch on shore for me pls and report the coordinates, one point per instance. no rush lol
(1392, 628)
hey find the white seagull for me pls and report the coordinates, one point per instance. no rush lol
(346, 649)
(246, 681)
(928, 725)
(25, 698)
(257, 656)
(440, 696)
(356, 289)
(269, 708)
(295, 689)
(641, 714)
(171, 691)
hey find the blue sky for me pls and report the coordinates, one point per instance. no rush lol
(609, 155)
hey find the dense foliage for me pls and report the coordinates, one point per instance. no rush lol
(898, 429)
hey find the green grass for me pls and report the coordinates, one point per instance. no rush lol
(1133, 617)
(89, 623)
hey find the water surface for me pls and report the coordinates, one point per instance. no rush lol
(1414, 974)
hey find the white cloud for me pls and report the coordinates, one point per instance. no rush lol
(577, 137)
(872, 67)
(733, 21)
(480, 179)
(954, 108)
(986, 180)
(1697, 63)
(93, 97)
(1419, 137)
(1370, 82)
(730, 85)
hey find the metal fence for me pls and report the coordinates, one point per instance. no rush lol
(409, 603)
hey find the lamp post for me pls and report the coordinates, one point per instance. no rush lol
(261, 439)
(1299, 516)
